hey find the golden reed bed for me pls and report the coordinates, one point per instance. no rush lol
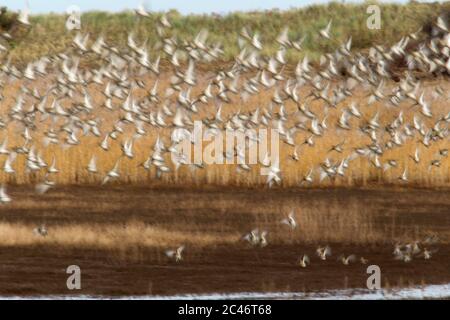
(72, 161)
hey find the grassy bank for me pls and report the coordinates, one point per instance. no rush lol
(48, 34)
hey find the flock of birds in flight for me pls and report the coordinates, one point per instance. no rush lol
(402, 251)
(66, 104)
(406, 252)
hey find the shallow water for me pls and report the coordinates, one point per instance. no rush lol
(426, 292)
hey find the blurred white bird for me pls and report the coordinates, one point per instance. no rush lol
(290, 220)
(176, 254)
(4, 198)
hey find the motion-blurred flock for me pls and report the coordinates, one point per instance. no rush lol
(99, 114)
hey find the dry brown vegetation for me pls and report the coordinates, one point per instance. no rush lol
(72, 161)
(117, 235)
(116, 218)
